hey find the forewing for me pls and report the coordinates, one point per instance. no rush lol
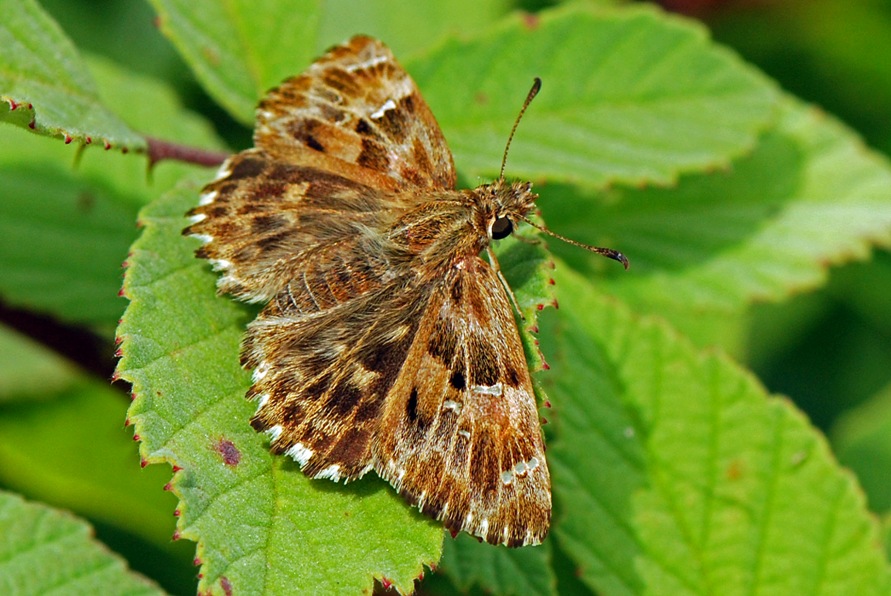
(460, 436)
(356, 106)
(321, 378)
(341, 152)
(268, 226)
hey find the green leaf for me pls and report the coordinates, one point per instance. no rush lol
(40, 440)
(677, 474)
(862, 440)
(498, 570)
(809, 196)
(629, 96)
(46, 86)
(654, 99)
(28, 370)
(47, 551)
(241, 48)
(527, 266)
(406, 27)
(256, 517)
(64, 258)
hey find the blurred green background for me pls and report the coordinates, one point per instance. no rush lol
(829, 351)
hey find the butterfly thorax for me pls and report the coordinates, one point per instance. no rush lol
(455, 225)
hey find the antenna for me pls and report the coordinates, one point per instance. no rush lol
(606, 252)
(536, 87)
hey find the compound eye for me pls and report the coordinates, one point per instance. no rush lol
(501, 228)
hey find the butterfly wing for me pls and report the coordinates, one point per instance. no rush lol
(341, 151)
(321, 379)
(356, 107)
(460, 435)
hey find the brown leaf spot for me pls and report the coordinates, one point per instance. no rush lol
(228, 451)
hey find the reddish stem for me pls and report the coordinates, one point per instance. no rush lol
(159, 150)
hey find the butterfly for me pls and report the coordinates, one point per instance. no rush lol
(386, 342)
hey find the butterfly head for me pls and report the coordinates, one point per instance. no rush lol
(510, 203)
(504, 205)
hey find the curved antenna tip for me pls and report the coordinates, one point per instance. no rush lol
(621, 258)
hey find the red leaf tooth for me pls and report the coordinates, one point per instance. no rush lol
(106, 144)
(176, 536)
(176, 469)
(531, 21)
(176, 513)
(168, 487)
(143, 463)
(88, 140)
(196, 562)
(387, 584)
(68, 139)
(13, 104)
(136, 438)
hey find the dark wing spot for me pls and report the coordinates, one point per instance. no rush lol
(264, 224)
(343, 399)
(457, 380)
(271, 189)
(273, 242)
(511, 375)
(457, 290)
(246, 168)
(369, 409)
(318, 387)
(411, 407)
(373, 156)
(442, 342)
(305, 132)
(482, 362)
(341, 81)
(313, 143)
(363, 127)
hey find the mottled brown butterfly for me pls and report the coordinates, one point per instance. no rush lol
(387, 343)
